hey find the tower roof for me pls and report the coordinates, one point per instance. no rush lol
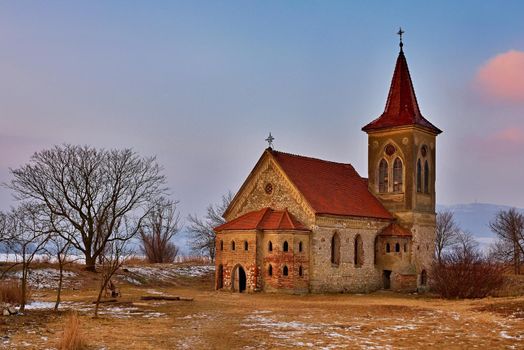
(401, 107)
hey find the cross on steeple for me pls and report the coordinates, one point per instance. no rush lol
(270, 140)
(399, 33)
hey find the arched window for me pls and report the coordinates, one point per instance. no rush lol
(359, 252)
(419, 176)
(383, 176)
(300, 246)
(270, 270)
(300, 271)
(426, 177)
(246, 246)
(221, 245)
(270, 246)
(335, 249)
(397, 175)
(423, 278)
(285, 271)
(232, 245)
(285, 246)
(388, 248)
(397, 247)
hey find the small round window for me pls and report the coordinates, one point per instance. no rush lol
(424, 150)
(268, 188)
(390, 149)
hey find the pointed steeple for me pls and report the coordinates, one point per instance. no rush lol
(401, 107)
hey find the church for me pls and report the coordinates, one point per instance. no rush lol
(307, 225)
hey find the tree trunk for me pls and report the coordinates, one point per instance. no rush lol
(90, 263)
(60, 278)
(24, 288)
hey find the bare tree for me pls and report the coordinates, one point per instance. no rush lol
(446, 233)
(60, 248)
(508, 225)
(202, 234)
(115, 255)
(89, 191)
(158, 229)
(28, 236)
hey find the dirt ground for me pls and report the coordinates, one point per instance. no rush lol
(224, 320)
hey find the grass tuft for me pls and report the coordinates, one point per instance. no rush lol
(72, 339)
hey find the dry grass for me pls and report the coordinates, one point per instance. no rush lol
(72, 338)
(193, 259)
(11, 292)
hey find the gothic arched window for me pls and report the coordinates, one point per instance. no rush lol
(246, 245)
(300, 271)
(388, 248)
(397, 175)
(285, 246)
(426, 177)
(419, 176)
(383, 176)
(285, 271)
(300, 246)
(270, 246)
(358, 256)
(232, 245)
(270, 270)
(397, 247)
(335, 249)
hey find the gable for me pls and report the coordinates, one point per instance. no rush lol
(252, 195)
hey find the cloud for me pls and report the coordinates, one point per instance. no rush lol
(501, 144)
(502, 77)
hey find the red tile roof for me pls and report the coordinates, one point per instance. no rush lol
(264, 219)
(401, 107)
(329, 187)
(396, 231)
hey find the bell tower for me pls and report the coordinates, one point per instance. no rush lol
(402, 162)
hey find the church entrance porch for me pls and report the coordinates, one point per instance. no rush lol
(238, 279)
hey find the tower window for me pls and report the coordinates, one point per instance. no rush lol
(419, 176)
(270, 246)
(285, 271)
(397, 247)
(246, 245)
(335, 249)
(397, 175)
(426, 177)
(285, 246)
(221, 245)
(383, 176)
(300, 271)
(300, 246)
(232, 245)
(270, 270)
(388, 248)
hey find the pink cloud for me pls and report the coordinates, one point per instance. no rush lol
(503, 143)
(502, 77)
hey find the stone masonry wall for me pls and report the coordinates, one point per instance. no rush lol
(294, 259)
(346, 277)
(229, 258)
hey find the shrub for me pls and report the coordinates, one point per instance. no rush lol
(72, 339)
(11, 292)
(466, 275)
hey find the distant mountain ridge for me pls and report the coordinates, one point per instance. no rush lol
(475, 218)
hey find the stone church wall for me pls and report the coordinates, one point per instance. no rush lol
(294, 259)
(344, 277)
(229, 258)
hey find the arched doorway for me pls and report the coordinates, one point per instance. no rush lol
(239, 279)
(220, 277)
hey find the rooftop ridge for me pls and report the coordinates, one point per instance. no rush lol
(307, 157)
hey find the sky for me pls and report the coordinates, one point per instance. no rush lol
(200, 84)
